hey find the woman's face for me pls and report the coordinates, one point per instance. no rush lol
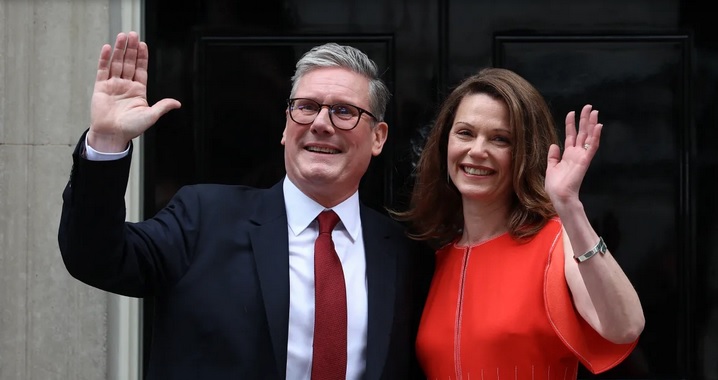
(479, 150)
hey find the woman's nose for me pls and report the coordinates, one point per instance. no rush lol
(478, 147)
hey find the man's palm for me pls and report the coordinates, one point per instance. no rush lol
(119, 109)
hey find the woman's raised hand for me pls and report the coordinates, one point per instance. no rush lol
(565, 173)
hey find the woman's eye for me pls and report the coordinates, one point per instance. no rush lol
(502, 139)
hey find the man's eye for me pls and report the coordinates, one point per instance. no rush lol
(307, 107)
(342, 110)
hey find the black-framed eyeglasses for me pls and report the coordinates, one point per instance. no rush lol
(343, 116)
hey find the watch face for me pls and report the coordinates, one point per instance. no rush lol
(601, 246)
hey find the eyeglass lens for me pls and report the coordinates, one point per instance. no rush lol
(343, 116)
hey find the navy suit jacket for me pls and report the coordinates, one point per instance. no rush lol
(216, 261)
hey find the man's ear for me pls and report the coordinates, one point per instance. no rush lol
(284, 132)
(379, 135)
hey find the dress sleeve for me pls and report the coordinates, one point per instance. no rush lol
(595, 352)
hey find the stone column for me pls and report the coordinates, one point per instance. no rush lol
(51, 325)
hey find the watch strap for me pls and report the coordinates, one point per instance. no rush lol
(600, 247)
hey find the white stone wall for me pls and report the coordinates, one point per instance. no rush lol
(51, 325)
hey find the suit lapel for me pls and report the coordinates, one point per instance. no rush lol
(381, 275)
(271, 251)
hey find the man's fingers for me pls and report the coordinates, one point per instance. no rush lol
(142, 63)
(162, 107)
(103, 65)
(118, 55)
(130, 57)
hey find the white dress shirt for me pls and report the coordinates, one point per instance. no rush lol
(303, 229)
(347, 235)
(94, 155)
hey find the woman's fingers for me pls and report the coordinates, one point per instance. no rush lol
(584, 125)
(570, 129)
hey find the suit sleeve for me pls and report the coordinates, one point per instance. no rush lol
(102, 250)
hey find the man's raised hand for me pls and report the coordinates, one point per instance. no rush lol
(119, 111)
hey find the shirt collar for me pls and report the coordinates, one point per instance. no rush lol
(304, 210)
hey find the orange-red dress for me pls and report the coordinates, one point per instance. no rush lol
(502, 310)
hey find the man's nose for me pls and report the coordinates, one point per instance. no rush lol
(323, 121)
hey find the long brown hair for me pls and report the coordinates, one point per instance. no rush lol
(435, 212)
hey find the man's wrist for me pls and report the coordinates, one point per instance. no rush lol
(93, 155)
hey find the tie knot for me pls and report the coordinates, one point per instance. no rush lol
(327, 221)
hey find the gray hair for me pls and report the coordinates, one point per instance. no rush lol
(335, 55)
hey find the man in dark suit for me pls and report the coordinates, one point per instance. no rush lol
(232, 267)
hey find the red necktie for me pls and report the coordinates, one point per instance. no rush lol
(330, 314)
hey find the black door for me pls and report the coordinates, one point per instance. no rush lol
(651, 67)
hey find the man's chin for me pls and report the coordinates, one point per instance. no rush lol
(321, 177)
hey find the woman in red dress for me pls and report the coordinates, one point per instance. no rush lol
(524, 288)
